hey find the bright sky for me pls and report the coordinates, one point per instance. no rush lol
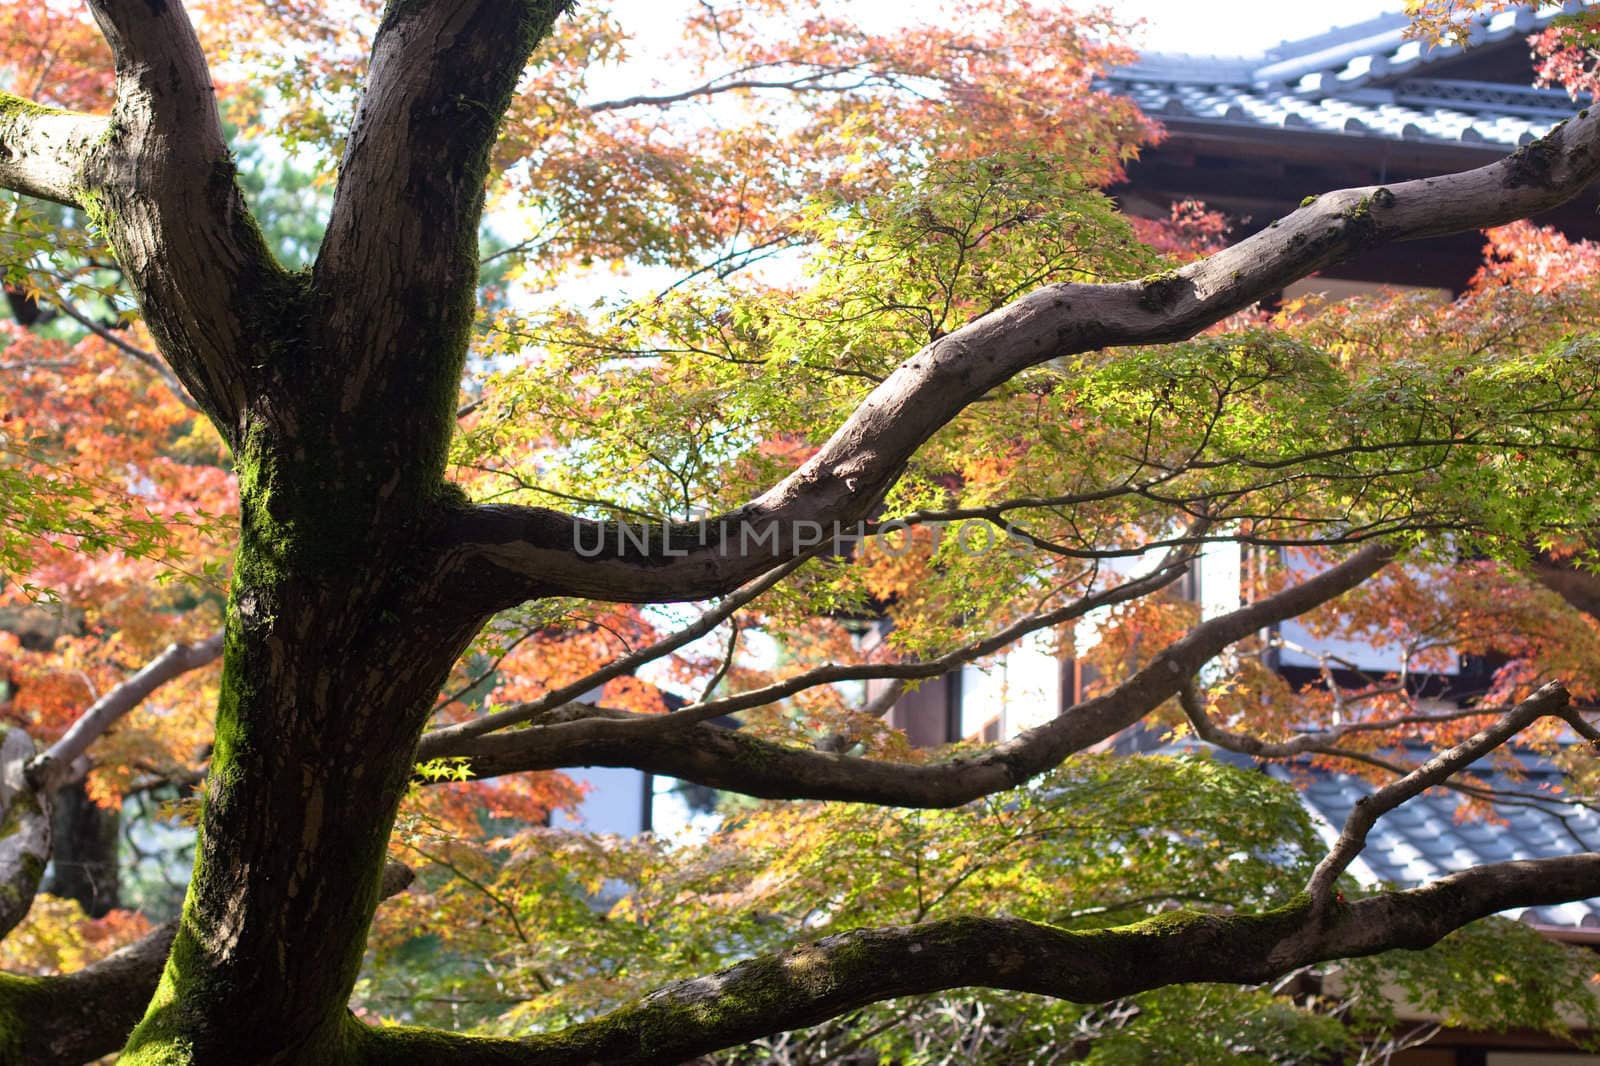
(1240, 27)
(1207, 27)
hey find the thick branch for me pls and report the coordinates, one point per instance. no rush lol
(401, 252)
(730, 760)
(1578, 587)
(812, 982)
(500, 554)
(43, 149)
(74, 1018)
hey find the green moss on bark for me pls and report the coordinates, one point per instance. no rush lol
(22, 999)
(22, 804)
(13, 106)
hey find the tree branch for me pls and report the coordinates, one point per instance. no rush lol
(400, 257)
(499, 555)
(28, 781)
(921, 669)
(527, 712)
(161, 188)
(55, 764)
(705, 709)
(73, 1018)
(1303, 743)
(1552, 699)
(149, 359)
(728, 759)
(813, 982)
(43, 149)
(809, 82)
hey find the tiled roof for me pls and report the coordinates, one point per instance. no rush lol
(1421, 840)
(1365, 80)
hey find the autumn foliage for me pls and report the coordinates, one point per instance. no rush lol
(810, 199)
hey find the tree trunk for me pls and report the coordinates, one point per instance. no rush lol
(84, 851)
(325, 688)
(336, 646)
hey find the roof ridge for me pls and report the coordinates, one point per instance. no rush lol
(1393, 22)
(1342, 57)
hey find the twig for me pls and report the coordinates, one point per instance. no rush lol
(149, 359)
(726, 664)
(627, 664)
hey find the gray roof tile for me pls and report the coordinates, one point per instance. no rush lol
(1329, 83)
(1424, 839)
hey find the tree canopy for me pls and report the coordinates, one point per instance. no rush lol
(340, 517)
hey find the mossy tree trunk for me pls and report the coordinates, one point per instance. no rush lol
(336, 647)
(330, 670)
(336, 390)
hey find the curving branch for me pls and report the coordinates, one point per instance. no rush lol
(1305, 743)
(500, 555)
(728, 759)
(707, 709)
(811, 81)
(551, 706)
(812, 982)
(1552, 699)
(1326, 743)
(57, 763)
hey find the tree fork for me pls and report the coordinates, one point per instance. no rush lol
(338, 393)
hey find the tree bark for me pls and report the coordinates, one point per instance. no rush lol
(83, 851)
(337, 392)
